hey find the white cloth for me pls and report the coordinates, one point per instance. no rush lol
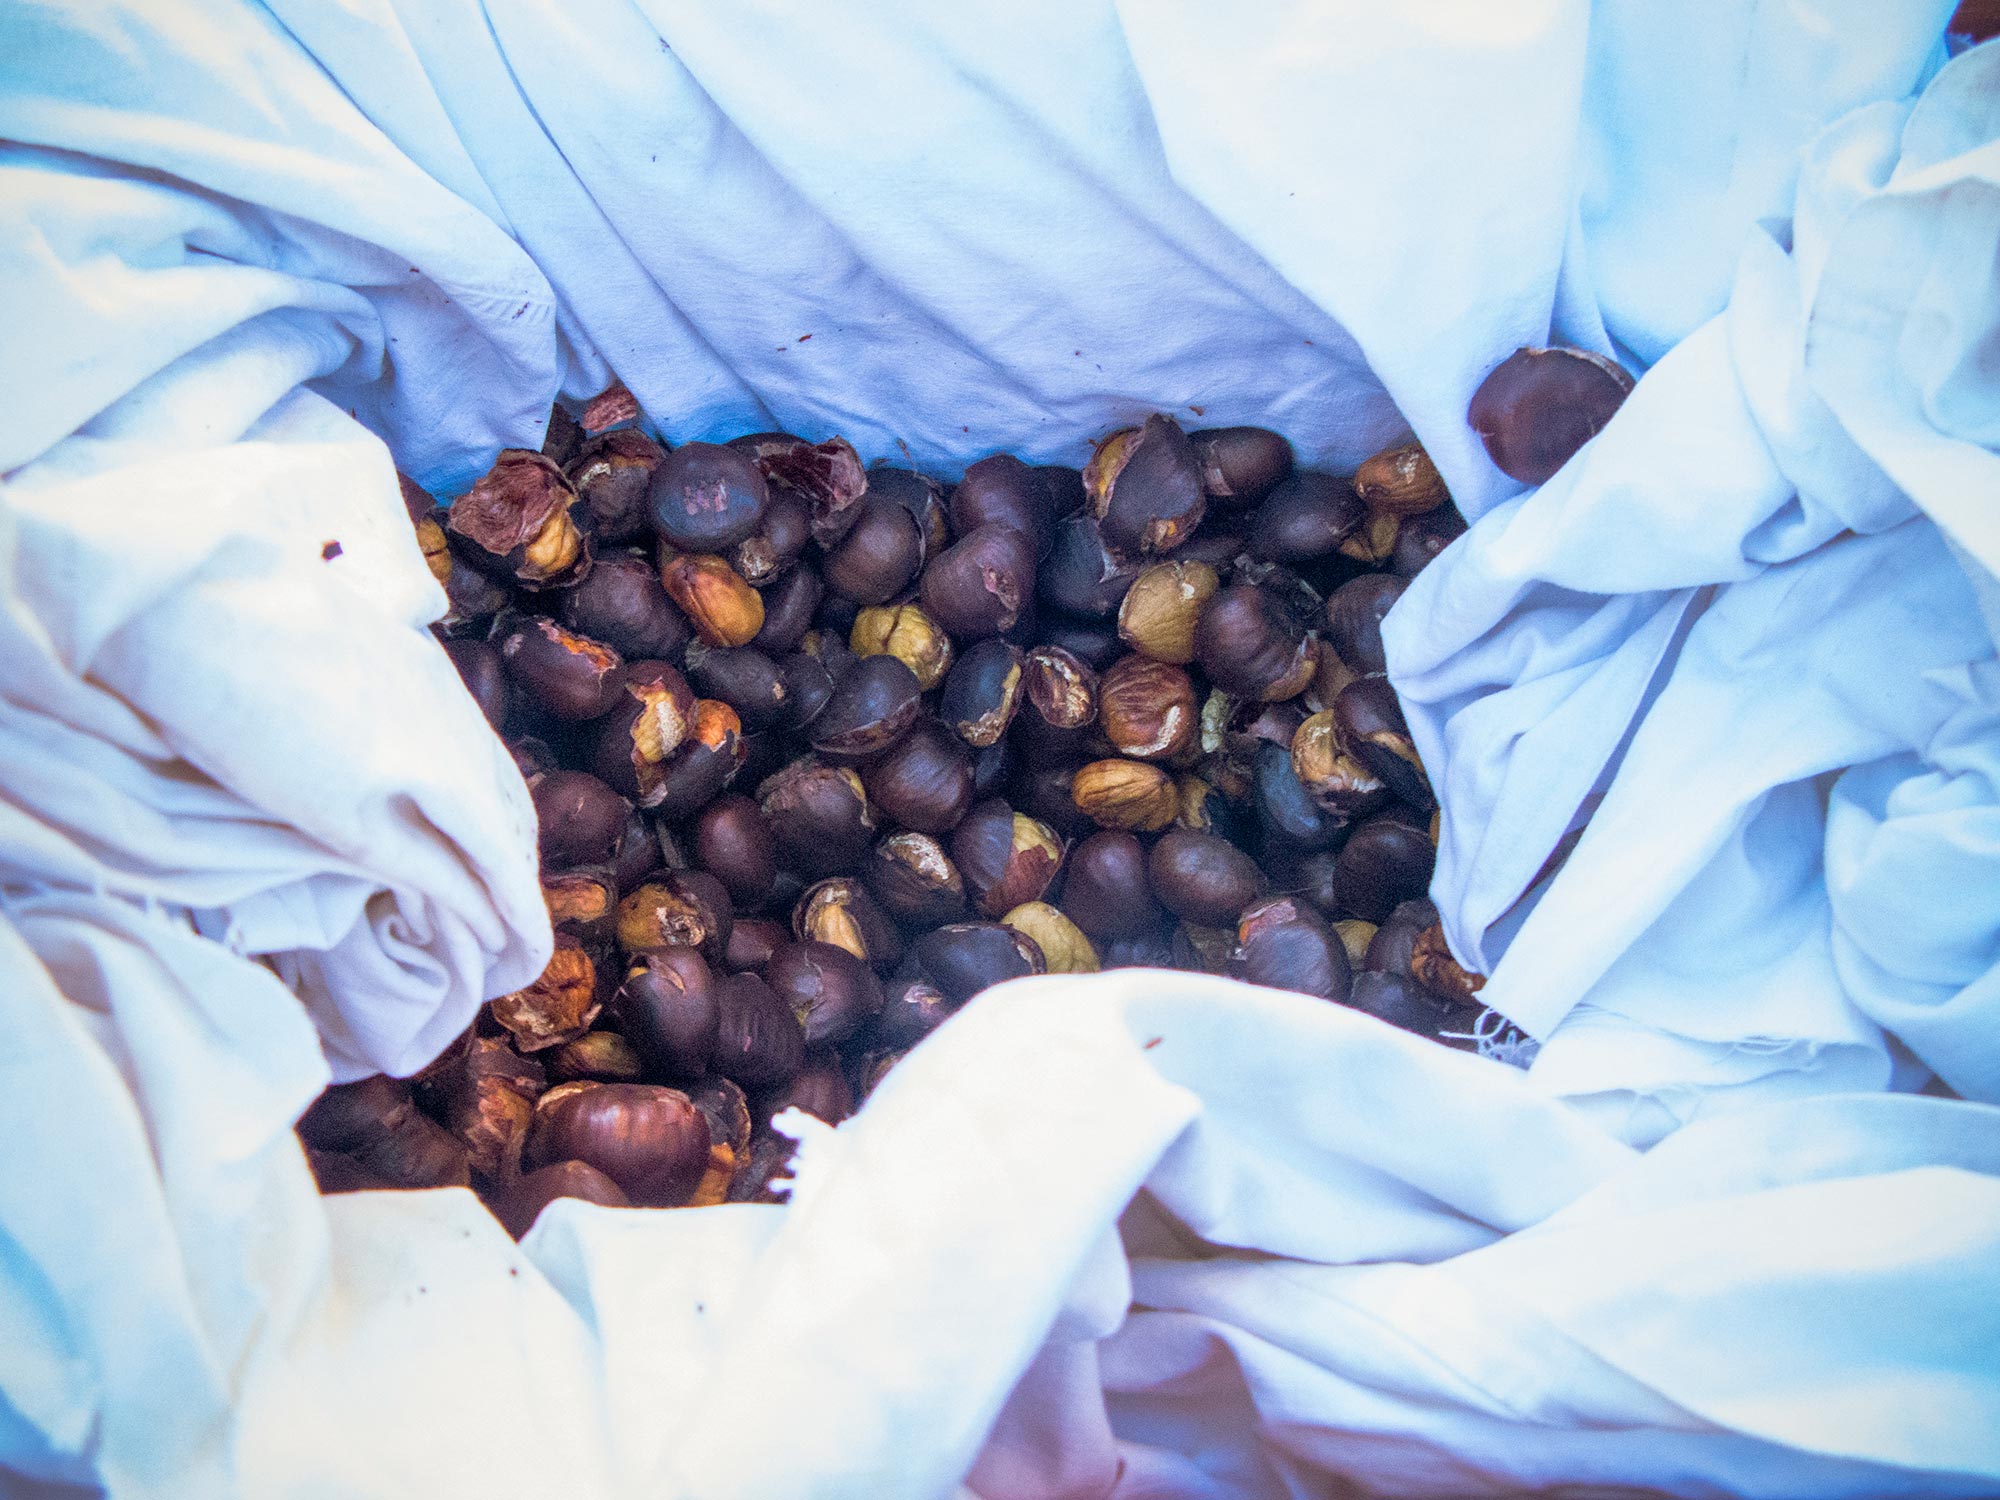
(242, 247)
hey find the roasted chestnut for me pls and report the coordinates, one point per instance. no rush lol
(924, 781)
(646, 723)
(1421, 538)
(789, 607)
(1539, 406)
(872, 706)
(722, 608)
(706, 762)
(833, 993)
(744, 678)
(667, 1009)
(914, 1008)
(681, 909)
(516, 523)
(1126, 794)
(1004, 491)
(828, 476)
(558, 1006)
(878, 557)
(704, 497)
(819, 815)
(964, 958)
(1384, 862)
(1145, 487)
(1354, 615)
(611, 474)
(1081, 575)
(1065, 950)
(775, 546)
(651, 1141)
(733, 842)
(841, 912)
(579, 820)
(1240, 465)
(622, 604)
(1291, 817)
(1158, 614)
(980, 584)
(1201, 878)
(759, 1043)
(1282, 942)
(519, 1203)
(1401, 481)
(1307, 516)
(913, 878)
(1004, 857)
(1105, 889)
(1250, 643)
(567, 675)
(982, 692)
(484, 674)
(1147, 709)
(1369, 722)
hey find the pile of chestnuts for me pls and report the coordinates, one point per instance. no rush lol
(818, 752)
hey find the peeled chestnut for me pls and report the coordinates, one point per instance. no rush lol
(1004, 857)
(913, 878)
(1145, 487)
(759, 1043)
(1061, 689)
(1307, 516)
(905, 632)
(1126, 794)
(1158, 614)
(579, 819)
(1240, 465)
(566, 674)
(1251, 643)
(832, 992)
(649, 1140)
(878, 557)
(722, 608)
(872, 706)
(1065, 949)
(1105, 889)
(980, 584)
(667, 1009)
(680, 909)
(1540, 405)
(1147, 708)
(516, 522)
(964, 958)
(581, 903)
(1201, 878)
(1282, 942)
(620, 602)
(982, 692)
(519, 1203)
(1354, 615)
(924, 781)
(1384, 862)
(733, 842)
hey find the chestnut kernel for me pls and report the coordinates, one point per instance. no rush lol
(581, 903)
(1065, 950)
(1334, 780)
(1062, 689)
(558, 1006)
(905, 632)
(681, 909)
(1158, 614)
(722, 608)
(1126, 794)
(1147, 708)
(602, 1055)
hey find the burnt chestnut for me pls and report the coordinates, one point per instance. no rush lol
(752, 941)
(519, 1203)
(980, 584)
(759, 1043)
(704, 497)
(1369, 722)
(1004, 857)
(1307, 516)
(840, 911)
(622, 604)
(1126, 794)
(1002, 490)
(516, 523)
(833, 993)
(1401, 481)
(828, 476)
(484, 674)
(963, 958)
(820, 1088)
(1201, 878)
(1105, 889)
(776, 545)
(1384, 863)
(1285, 944)
(732, 841)
(914, 880)
(982, 692)
(722, 608)
(706, 762)
(1422, 538)
(558, 1006)
(913, 1009)
(1539, 406)
(667, 1009)
(744, 678)
(1145, 487)
(1288, 813)
(1240, 465)
(568, 675)
(1147, 709)
(681, 909)
(873, 705)
(1158, 614)
(878, 557)
(611, 474)
(651, 1141)
(1082, 576)
(579, 819)
(649, 720)
(905, 632)
(820, 816)
(789, 606)
(1354, 615)
(1251, 643)
(924, 781)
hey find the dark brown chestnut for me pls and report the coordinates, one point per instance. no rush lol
(1307, 516)
(963, 958)
(1251, 643)
(873, 705)
(567, 675)
(651, 1141)
(1082, 576)
(611, 474)
(681, 909)
(789, 606)
(1539, 406)
(519, 1203)
(579, 819)
(1048, 795)
(1354, 615)
(1004, 857)
(648, 721)
(375, 1122)
(667, 1009)
(1290, 816)
(1400, 1001)
(1145, 487)
(732, 841)
(759, 1043)
(1240, 465)
(833, 993)
(1095, 643)
(840, 911)
(471, 598)
(1201, 878)
(704, 497)
(820, 1088)
(980, 584)
(1385, 861)
(1147, 950)
(1369, 723)
(982, 692)
(1060, 687)
(878, 557)
(1004, 491)
(744, 678)
(484, 674)
(516, 523)
(913, 878)
(924, 781)
(922, 497)
(774, 548)
(820, 816)
(1422, 538)
(1105, 889)
(622, 604)
(913, 1009)
(707, 761)
(752, 941)
(1284, 943)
